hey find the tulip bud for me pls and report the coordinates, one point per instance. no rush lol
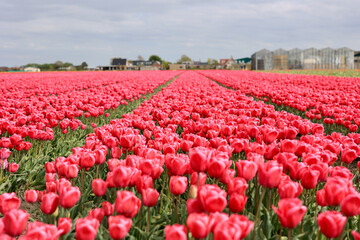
(193, 191)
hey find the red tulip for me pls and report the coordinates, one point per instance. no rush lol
(8, 201)
(309, 178)
(331, 223)
(40, 230)
(150, 197)
(97, 213)
(350, 205)
(4, 153)
(290, 212)
(227, 230)
(69, 197)
(336, 189)
(15, 222)
(31, 196)
(121, 176)
(175, 231)
(196, 178)
(116, 152)
(246, 169)
(356, 235)
(50, 167)
(72, 171)
(49, 204)
(237, 185)
(212, 198)
(185, 145)
(193, 206)
(108, 208)
(198, 224)
(289, 189)
(244, 224)
(119, 226)
(178, 185)
(64, 225)
(87, 160)
(237, 202)
(143, 182)
(127, 203)
(348, 156)
(99, 187)
(126, 141)
(199, 158)
(13, 167)
(269, 174)
(321, 198)
(86, 228)
(216, 218)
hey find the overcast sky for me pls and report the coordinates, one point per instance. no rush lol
(84, 30)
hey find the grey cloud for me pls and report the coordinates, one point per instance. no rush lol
(76, 31)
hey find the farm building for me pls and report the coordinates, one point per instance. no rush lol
(311, 58)
(357, 60)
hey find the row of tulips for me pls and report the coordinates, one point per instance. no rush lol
(96, 97)
(32, 104)
(195, 161)
(333, 100)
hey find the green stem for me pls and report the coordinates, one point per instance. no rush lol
(269, 198)
(305, 202)
(280, 232)
(177, 209)
(148, 220)
(97, 171)
(289, 234)
(82, 187)
(258, 211)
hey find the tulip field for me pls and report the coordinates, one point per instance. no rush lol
(210, 154)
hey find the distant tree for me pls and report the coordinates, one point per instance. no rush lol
(140, 58)
(184, 58)
(58, 64)
(165, 65)
(154, 58)
(212, 61)
(84, 65)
